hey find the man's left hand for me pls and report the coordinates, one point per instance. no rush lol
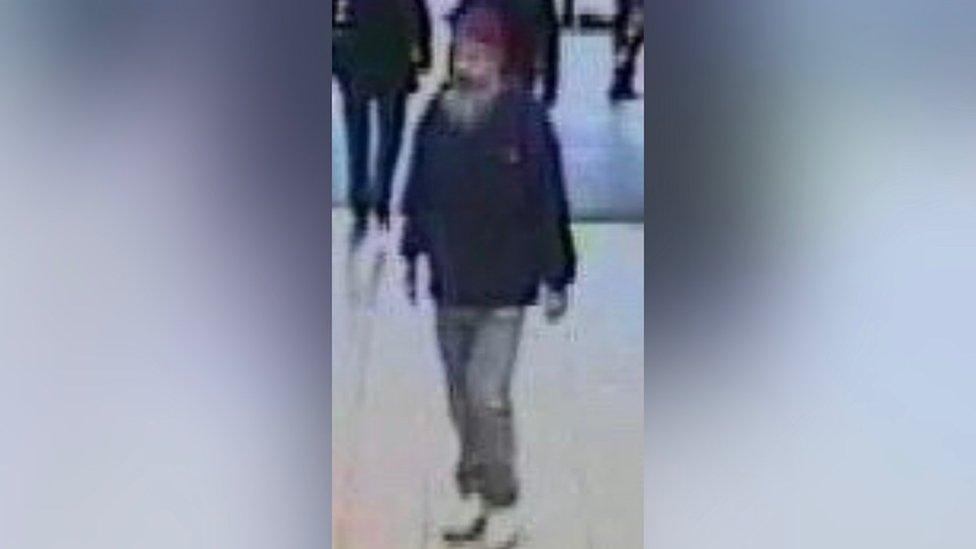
(556, 304)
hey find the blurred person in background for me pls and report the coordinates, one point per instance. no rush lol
(628, 39)
(486, 205)
(379, 48)
(536, 26)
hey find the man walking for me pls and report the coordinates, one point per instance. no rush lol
(486, 205)
(379, 47)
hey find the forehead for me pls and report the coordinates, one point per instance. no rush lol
(469, 46)
(483, 25)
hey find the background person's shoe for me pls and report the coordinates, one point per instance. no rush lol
(357, 234)
(360, 212)
(623, 93)
(622, 88)
(383, 216)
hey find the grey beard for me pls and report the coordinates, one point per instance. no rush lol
(466, 108)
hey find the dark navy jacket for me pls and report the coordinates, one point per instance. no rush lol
(488, 206)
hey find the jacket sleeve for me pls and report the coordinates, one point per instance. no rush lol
(415, 204)
(555, 240)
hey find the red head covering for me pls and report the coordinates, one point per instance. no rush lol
(483, 24)
(490, 23)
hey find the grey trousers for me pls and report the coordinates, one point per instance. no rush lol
(479, 347)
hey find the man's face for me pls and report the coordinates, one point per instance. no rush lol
(476, 65)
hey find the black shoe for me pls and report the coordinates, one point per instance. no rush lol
(383, 217)
(360, 224)
(623, 87)
(468, 533)
(623, 93)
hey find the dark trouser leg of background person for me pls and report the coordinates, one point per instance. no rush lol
(627, 41)
(626, 69)
(356, 111)
(479, 347)
(393, 110)
(550, 75)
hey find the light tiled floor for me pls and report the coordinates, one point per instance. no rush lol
(578, 393)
